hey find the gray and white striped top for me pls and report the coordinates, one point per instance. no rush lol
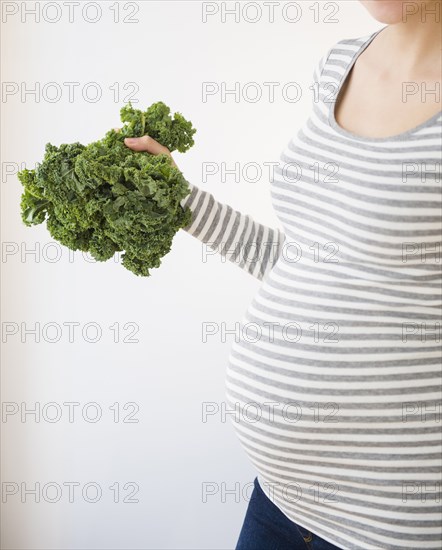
(336, 376)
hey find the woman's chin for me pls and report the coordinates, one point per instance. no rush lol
(389, 12)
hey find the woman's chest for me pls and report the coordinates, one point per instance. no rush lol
(370, 203)
(370, 104)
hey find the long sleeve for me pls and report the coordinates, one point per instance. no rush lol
(250, 245)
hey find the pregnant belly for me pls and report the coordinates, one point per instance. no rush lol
(332, 402)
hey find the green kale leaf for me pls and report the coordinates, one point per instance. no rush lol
(104, 198)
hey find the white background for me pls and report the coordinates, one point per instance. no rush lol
(170, 452)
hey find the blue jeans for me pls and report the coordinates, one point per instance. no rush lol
(265, 527)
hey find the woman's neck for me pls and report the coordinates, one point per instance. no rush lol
(415, 43)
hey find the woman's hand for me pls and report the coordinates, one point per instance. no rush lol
(148, 144)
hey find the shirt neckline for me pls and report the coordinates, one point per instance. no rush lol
(347, 133)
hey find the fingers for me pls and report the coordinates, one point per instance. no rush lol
(149, 145)
(146, 143)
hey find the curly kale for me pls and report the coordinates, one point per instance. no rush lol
(104, 198)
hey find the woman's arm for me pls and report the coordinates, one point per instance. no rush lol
(252, 246)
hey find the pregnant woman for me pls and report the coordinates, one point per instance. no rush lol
(336, 377)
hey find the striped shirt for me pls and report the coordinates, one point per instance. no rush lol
(335, 378)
